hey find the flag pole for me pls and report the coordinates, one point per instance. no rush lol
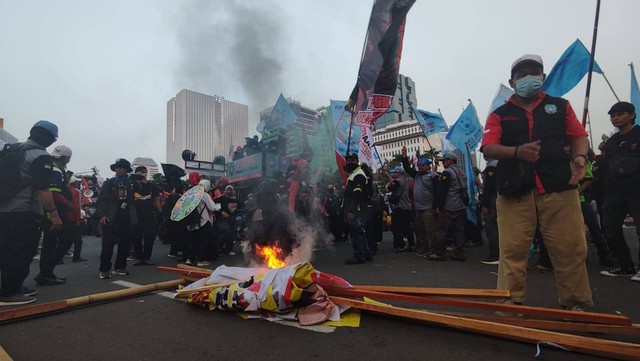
(610, 87)
(591, 60)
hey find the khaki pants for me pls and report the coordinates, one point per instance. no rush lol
(560, 220)
(426, 228)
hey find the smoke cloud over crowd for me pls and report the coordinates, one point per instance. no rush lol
(232, 49)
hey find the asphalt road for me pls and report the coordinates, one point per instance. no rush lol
(153, 327)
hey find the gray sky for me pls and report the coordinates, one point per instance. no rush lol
(104, 70)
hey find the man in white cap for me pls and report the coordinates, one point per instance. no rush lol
(537, 184)
(56, 242)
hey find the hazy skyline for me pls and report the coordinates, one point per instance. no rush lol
(103, 71)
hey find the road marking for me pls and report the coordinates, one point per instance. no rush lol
(166, 294)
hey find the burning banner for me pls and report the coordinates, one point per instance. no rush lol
(288, 292)
(380, 62)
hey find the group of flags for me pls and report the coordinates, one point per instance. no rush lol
(375, 88)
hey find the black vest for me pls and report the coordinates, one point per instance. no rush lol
(515, 177)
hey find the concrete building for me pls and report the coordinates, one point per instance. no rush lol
(400, 111)
(152, 166)
(408, 134)
(6, 137)
(207, 125)
(308, 118)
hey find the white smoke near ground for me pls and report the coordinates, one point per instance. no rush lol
(232, 49)
(308, 235)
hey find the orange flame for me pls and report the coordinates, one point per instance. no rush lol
(271, 256)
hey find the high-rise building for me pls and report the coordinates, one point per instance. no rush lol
(400, 110)
(5, 137)
(308, 118)
(149, 163)
(207, 125)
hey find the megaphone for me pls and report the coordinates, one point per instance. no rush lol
(87, 193)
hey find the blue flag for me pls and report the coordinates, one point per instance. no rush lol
(635, 91)
(430, 123)
(569, 70)
(467, 132)
(502, 96)
(282, 113)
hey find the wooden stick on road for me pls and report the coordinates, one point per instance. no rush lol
(200, 273)
(442, 292)
(590, 317)
(582, 344)
(549, 325)
(84, 300)
(4, 356)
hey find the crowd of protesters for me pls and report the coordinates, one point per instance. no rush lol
(537, 190)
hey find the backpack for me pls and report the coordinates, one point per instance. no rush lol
(11, 159)
(193, 218)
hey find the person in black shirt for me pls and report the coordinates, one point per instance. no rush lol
(146, 196)
(117, 214)
(622, 185)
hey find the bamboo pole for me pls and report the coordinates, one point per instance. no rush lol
(185, 272)
(84, 300)
(590, 317)
(582, 344)
(4, 356)
(633, 330)
(428, 291)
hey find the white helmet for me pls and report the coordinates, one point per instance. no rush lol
(61, 151)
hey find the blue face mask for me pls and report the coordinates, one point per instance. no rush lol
(528, 86)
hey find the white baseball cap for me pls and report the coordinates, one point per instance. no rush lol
(61, 151)
(527, 58)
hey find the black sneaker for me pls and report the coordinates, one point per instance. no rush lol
(492, 261)
(105, 275)
(458, 258)
(16, 300)
(435, 257)
(29, 291)
(619, 272)
(48, 281)
(120, 272)
(354, 261)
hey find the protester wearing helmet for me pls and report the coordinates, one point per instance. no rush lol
(21, 212)
(56, 243)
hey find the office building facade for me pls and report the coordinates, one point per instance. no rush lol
(207, 125)
(400, 110)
